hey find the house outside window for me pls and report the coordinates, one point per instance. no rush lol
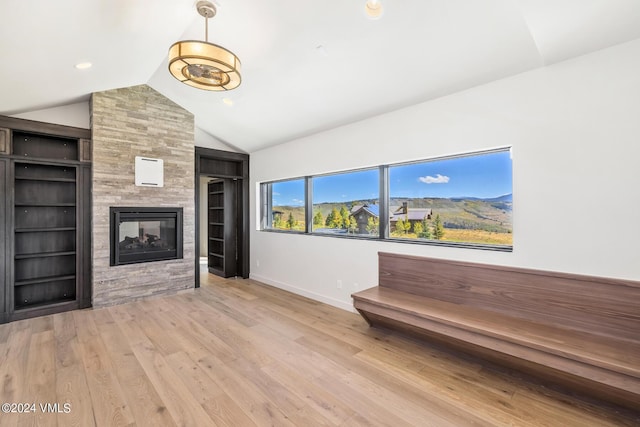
(336, 198)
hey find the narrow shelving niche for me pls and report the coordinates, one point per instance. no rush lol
(221, 249)
(45, 234)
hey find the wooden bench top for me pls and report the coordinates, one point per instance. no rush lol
(610, 354)
(580, 331)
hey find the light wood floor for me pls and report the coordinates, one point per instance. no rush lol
(238, 353)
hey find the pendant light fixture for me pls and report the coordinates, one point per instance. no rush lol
(373, 9)
(202, 64)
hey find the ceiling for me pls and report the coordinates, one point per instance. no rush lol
(306, 66)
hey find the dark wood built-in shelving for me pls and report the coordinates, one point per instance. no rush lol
(46, 219)
(41, 276)
(44, 254)
(221, 249)
(43, 280)
(33, 230)
(233, 170)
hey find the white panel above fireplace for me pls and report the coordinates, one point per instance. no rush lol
(149, 172)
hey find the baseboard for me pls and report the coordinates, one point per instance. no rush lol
(303, 292)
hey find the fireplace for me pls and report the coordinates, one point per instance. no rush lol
(145, 234)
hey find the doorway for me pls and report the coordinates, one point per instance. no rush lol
(222, 188)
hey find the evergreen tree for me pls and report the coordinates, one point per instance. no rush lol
(438, 228)
(334, 219)
(426, 230)
(291, 222)
(329, 220)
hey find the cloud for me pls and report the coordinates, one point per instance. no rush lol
(275, 193)
(438, 179)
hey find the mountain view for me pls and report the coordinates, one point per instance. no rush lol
(463, 219)
(464, 199)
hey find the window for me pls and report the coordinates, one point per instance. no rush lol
(285, 207)
(466, 200)
(347, 203)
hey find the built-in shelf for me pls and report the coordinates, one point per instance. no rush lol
(44, 254)
(46, 195)
(44, 280)
(43, 204)
(35, 178)
(64, 304)
(43, 229)
(221, 219)
(231, 177)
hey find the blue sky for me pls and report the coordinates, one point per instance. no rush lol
(288, 193)
(483, 176)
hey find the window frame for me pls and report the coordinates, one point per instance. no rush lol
(266, 197)
(266, 206)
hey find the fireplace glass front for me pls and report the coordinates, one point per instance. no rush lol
(145, 234)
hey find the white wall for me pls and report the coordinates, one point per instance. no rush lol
(575, 132)
(76, 115)
(203, 139)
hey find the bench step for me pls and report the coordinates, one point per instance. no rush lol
(608, 361)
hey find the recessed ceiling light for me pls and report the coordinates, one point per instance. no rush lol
(83, 65)
(227, 101)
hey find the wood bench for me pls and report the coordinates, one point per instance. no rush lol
(578, 331)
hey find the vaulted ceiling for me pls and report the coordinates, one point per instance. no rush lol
(306, 66)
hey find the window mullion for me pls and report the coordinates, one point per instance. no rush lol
(384, 203)
(267, 205)
(308, 204)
